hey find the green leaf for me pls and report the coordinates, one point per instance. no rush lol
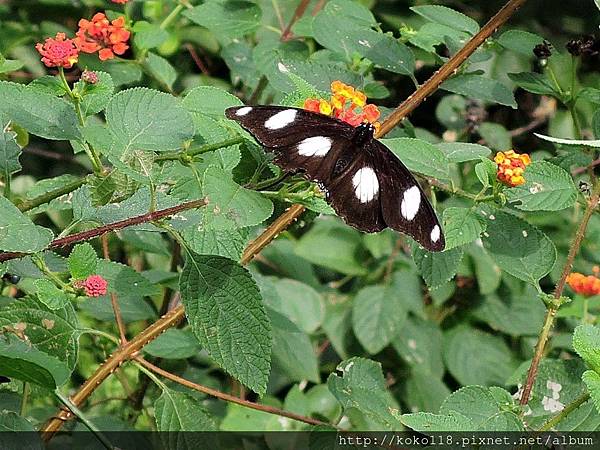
(161, 69)
(590, 94)
(226, 17)
(298, 302)
(39, 113)
(458, 152)
(518, 248)
(145, 119)
(535, 83)
(424, 421)
(293, 352)
(18, 233)
(520, 41)
(424, 391)
(437, 267)
(487, 272)
(96, 96)
(475, 357)
(495, 136)
(49, 294)
(224, 308)
(229, 243)
(461, 226)
(10, 65)
(229, 204)
(420, 156)
(174, 344)
(148, 35)
(26, 363)
(419, 343)
(481, 88)
(486, 172)
(592, 382)
(361, 385)
(210, 100)
(378, 314)
(12, 437)
(9, 155)
(590, 143)
(586, 342)
(176, 413)
(82, 261)
(547, 187)
(331, 244)
(447, 16)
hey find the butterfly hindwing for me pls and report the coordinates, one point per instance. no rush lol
(365, 183)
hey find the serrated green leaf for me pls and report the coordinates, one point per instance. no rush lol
(331, 244)
(590, 94)
(419, 343)
(11, 437)
(96, 96)
(38, 112)
(49, 294)
(461, 226)
(475, 357)
(148, 35)
(177, 413)
(161, 69)
(424, 421)
(229, 243)
(437, 267)
(419, 156)
(229, 204)
(547, 188)
(458, 152)
(210, 100)
(586, 342)
(591, 143)
(592, 382)
(378, 314)
(486, 172)
(224, 308)
(9, 154)
(361, 385)
(519, 41)
(518, 248)
(424, 391)
(145, 119)
(535, 83)
(54, 332)
(481, 88)
(82, 261)
(447, 16)
(18, 233)
(229, 17)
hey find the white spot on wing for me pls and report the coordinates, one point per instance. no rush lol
(435, 234)
(281, 119)
(411, 200)
(365, 184)
(314, 146)
(243, 111)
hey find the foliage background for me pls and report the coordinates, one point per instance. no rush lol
(357, 331)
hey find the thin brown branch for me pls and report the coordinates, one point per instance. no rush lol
(444, 72)
(229, 398)
(113, 297)
(298, 13)
(558, 291)
(96, 232)
(196, 58)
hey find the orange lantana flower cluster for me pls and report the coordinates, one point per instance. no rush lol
(96, 35)
(585, 285)
(102, 36)
(511, 166)
(121, 2)
(58, 51)
(347, 104)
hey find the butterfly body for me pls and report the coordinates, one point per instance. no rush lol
(365, 183)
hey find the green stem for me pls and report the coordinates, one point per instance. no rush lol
(110, 337)
(25, 398)
(81, 416)
(151, 375)
(555, 81)
(41, 264)
(565, 412)
(190, 153)
(51, 195)
(171, 17)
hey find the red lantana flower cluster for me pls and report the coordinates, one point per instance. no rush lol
(102, 36)
(120, 2)
(347, 104)
(93, 286)
(58, 51)
(585, 285)
(96, 35)
(511, 166)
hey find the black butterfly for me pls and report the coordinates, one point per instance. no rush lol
(365, 183)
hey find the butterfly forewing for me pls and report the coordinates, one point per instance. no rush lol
(363, 180)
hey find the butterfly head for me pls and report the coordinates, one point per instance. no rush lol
(363, 133)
